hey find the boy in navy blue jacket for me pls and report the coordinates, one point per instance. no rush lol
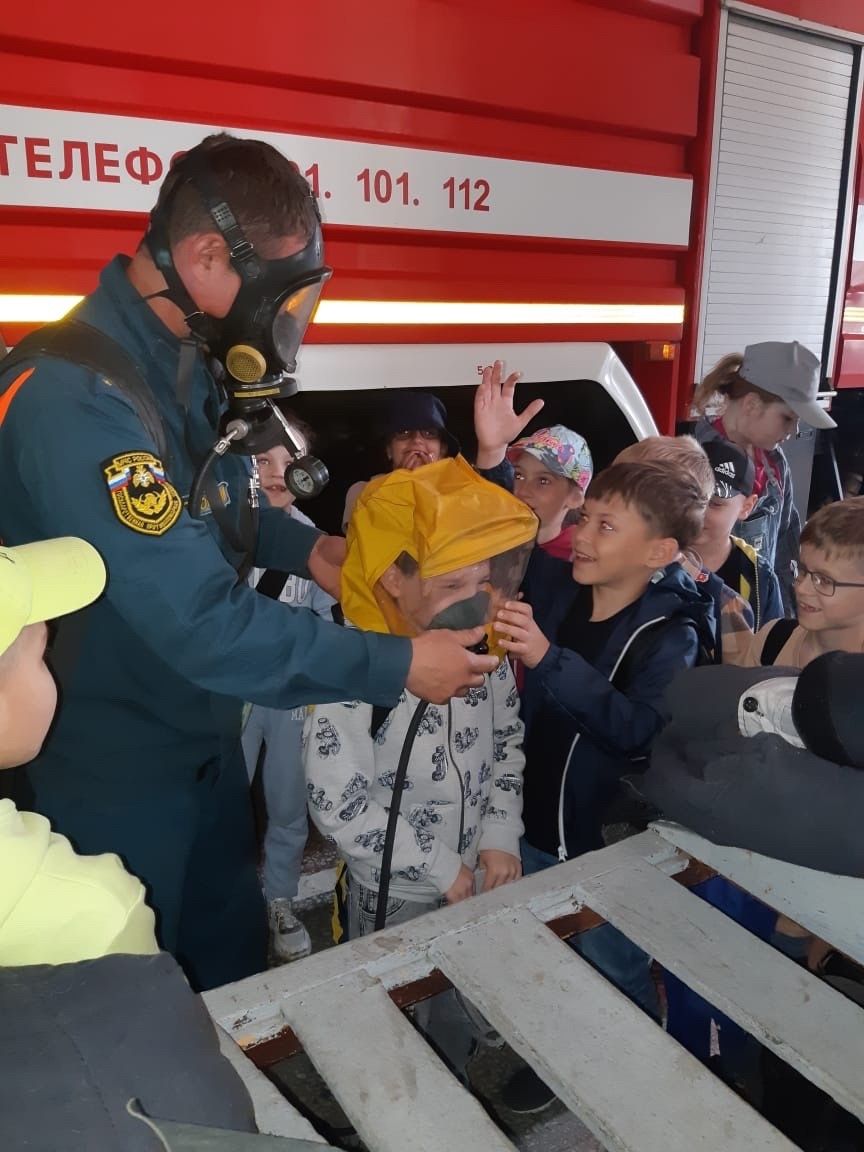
(571, 632)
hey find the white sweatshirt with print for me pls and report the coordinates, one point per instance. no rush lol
(464, 780)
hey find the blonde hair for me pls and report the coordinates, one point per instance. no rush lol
(724, 383)
(684, 452)
(837, 529)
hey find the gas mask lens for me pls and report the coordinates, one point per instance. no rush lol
(466, 597)
(293, 316)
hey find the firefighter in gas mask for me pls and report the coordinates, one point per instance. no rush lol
(134, 427)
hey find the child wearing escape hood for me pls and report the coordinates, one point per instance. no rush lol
(426, 548)
(623, 591)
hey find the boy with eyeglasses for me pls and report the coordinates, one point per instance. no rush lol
(829, 591)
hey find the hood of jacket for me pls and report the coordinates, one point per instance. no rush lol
(57, 907)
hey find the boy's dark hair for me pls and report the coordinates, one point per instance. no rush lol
(837, 529)
(670, 501)
(265, 191)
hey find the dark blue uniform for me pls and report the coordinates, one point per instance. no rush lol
(144, 759)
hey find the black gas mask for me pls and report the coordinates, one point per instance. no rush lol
(255, 345)
(470, 613)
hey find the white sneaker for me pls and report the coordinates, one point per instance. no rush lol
(289, 939)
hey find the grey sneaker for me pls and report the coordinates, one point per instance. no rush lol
(289, 939)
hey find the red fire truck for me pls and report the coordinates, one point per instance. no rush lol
(671, 178)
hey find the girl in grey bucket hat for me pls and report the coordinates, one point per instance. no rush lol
(762, 394)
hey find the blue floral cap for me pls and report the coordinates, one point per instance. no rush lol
(561, 450)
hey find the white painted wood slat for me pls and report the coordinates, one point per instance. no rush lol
(635, 1087)
(274, 1115)
(776, 188)
(807, 1023)
(631, 1084)
(250, 1009)
(392, 1086)
(832, 907)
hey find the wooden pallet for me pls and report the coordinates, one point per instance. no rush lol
(633, 1086)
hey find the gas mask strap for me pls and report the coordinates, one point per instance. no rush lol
(194, 171)
(241, 250)
(156, 241)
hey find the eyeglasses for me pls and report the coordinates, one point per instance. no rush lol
(423, 433)
(824, 585)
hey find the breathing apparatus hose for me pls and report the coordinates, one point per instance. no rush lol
(199, 482)
(393, 816)
(242, 541)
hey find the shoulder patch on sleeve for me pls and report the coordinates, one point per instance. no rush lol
(142, 498)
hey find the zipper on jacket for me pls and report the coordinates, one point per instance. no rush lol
(757, 623)
(745, 548)
(562, 839)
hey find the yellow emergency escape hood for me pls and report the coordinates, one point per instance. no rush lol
(444, 515)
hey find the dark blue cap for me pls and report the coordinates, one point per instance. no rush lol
(409, 410)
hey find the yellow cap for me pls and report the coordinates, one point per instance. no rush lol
(42, 581)
(444, 515)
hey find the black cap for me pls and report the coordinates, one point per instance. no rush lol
(734, 471)
(409, 410)
(826, 707)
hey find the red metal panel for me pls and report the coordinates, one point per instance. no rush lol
(852, 363)
(560, 61)
(601, 83)
(707, 38)
(605, 85)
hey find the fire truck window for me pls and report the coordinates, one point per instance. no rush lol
(347, 431)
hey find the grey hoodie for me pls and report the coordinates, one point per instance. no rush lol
(463, 790)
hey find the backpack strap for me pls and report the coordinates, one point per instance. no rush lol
(272, 583)
(776, 641)
(81, 343)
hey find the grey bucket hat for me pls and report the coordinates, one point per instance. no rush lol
(790, 372)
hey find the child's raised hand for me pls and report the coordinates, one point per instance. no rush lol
(520, 635)
(496, 421)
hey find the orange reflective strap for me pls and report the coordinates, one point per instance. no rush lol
(12, 391)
